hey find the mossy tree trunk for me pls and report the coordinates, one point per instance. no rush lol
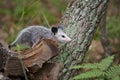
(80, 20)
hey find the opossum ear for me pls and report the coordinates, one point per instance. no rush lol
(60, 27)
(54, 30)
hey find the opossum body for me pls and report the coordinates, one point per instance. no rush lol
(32, 34)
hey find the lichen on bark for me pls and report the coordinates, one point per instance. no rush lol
(80, 20)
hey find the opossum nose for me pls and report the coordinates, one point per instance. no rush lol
(69, 40)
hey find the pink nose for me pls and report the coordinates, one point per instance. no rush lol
(69, 40)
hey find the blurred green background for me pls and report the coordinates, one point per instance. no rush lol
(17, 14)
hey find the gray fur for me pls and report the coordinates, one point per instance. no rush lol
(30, 35)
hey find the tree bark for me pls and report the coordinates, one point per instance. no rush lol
(103, 35)
(80, 20)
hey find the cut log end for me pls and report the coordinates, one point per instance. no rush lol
(34, 60)
(35, 57)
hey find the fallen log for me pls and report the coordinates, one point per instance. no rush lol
(3, 57)
(35, 61)
(43, 51)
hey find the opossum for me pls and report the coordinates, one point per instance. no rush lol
(31, 35)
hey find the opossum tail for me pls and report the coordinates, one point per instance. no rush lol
(11, 45)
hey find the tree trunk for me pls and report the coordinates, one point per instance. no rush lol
(80, 20)
(102, 32)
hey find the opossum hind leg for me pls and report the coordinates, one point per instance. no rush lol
(26, 39)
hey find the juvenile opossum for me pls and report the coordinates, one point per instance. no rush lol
(32, 34)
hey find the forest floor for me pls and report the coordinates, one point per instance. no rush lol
(96, 51)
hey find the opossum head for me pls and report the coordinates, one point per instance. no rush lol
(60, 36)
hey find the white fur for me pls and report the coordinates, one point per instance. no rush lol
(59, 36)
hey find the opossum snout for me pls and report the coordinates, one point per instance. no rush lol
(68, 40)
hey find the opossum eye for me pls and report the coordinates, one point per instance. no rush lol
(63, 36)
